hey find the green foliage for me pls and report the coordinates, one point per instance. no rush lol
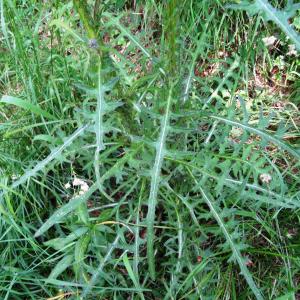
(235, 248)
(279, 17)
(140, 158)
(26, 105)
(155, 182)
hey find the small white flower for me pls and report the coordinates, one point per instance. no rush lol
(292, 50)
(83, 185)
(269, 41)
(78, 181)
(67, 185)
(265, 178)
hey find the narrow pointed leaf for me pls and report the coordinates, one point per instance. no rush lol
(61, 266)
(61, 213)
(160, 153)
(235, 250)
(263, 134)
(27, 106)
(270, 13)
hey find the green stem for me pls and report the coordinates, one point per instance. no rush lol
(86, 19)
(171, 34)
(89, 25)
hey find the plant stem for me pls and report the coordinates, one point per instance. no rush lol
(171, 34)
(86, 19)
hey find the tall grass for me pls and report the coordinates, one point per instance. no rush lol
(141, 157)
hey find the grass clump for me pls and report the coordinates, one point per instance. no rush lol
(149, 150)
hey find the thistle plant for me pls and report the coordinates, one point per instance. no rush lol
(145, 168)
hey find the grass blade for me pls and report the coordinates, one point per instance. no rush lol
(26, 105)
(131, 274)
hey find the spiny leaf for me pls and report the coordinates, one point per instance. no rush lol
(61, 213)
(42, 164)
(223, 81)
(269, 13)
(116, 22)
(67, 29)
(235, 250)
(262, 134)
(99, 113)
(251, 191)
(59, 243)
(99, 126)
(76, 202)
(192, 274)
(61, 266)
(201, 45)
(160, 153)
(98, 271)
(79, 253)
(92, 91)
